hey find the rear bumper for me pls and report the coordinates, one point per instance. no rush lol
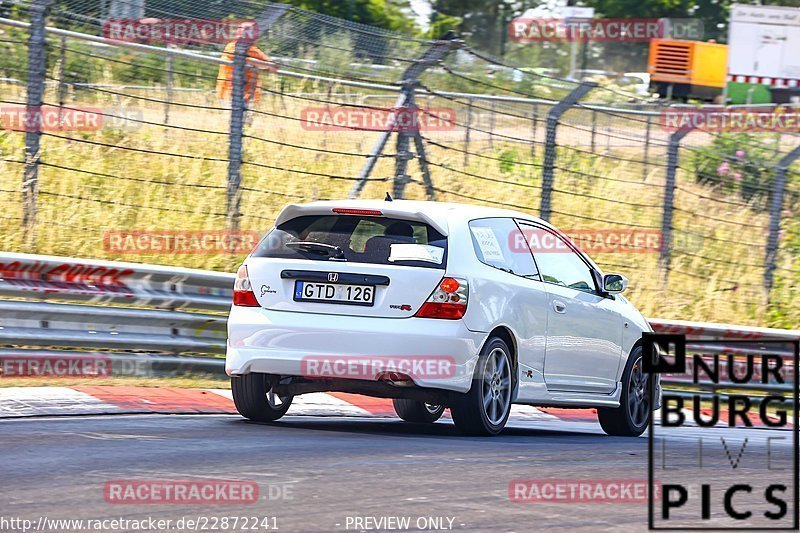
(441, 353)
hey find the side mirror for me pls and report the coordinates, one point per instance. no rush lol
(614, 283)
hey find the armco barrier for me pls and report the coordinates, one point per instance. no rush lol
(142, 317)
(56, 306)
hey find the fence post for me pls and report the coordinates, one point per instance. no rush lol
(553, 115)
(467, 131)
(37, 55)
(423, 163)
(233, 197)
(669, 196)
(62, 74)
(594, 129)
(534, 126)
(409, 116)
(437, 51)
(492, 123)
(404, 154)
(777, 193)
(419, 146)
(168, 81)
(647, 147)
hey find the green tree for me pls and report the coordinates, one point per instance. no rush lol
(641, 8)
(388, 14)
(483, 23)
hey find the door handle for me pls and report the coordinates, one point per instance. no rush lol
(559, 306)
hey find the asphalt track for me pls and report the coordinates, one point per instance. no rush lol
(323, 473)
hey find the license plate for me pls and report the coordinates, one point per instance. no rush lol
(311, 291)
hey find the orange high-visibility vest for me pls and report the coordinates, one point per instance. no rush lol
(225, 76)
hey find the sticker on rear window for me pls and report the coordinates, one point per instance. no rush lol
(488, 243)
(416, 252)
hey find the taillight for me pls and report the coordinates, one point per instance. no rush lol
(448, 301)
(243, 294)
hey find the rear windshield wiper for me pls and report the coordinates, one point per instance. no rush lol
(319, 248)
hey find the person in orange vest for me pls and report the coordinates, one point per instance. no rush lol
(252, 91)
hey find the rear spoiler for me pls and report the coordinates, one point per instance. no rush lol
(297, 210)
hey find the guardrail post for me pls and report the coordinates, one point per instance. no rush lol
(37, 55)
(438, 50)
(669, 196)
(553, 115)
(236, 134)
(777, 193)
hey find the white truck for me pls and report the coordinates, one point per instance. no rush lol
(763, 46)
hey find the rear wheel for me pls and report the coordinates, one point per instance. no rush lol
(630, 419)
(485, 408)
(254, 399)
(417, 411)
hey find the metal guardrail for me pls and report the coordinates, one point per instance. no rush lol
(142, 318)
(147, 315)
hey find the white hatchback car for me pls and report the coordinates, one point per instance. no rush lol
(434, 305)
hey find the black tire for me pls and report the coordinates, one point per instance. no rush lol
(632, 416)
(417, 411)
(251, 395)
(470, 413)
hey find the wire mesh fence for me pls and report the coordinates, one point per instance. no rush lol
(157, 148)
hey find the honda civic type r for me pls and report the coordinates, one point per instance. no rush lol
(436, 306)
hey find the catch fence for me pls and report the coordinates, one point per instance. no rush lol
(705, 224)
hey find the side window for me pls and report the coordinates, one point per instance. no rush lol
(499, 243)
(557, 262)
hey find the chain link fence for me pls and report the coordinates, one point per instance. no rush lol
(198, 137)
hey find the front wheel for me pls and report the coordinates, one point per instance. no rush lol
(254, 399)
(485, 408)
(417, 411)
(630, 419)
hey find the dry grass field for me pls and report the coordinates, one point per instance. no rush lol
(155, 178)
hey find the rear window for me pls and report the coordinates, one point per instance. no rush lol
(356, 239)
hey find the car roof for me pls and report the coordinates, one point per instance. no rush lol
(438, 214)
